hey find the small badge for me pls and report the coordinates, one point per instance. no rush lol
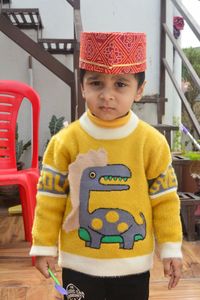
(74, 293)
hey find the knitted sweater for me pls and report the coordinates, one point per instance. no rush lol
(107, 190)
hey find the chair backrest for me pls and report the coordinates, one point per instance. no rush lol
(12, 94)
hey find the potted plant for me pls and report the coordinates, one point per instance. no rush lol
(191, 172)
(55, 124)
(187, 165)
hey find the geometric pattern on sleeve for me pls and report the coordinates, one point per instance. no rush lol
(164, 183)
(53, 182)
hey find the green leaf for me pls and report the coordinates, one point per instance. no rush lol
(55, 124)
(19, 149)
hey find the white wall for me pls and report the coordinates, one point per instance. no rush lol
(57, 18)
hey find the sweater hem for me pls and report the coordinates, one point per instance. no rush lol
(106, 267)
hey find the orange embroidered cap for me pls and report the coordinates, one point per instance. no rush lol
(113, 52)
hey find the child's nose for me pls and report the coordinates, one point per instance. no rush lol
(107, 94)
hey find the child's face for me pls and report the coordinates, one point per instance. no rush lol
(110, 96)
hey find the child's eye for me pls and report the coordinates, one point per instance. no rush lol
(120, 84)
(95, 83)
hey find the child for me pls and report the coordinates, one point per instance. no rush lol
(107, 186)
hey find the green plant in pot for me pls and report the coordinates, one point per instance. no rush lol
(194, 168)
(185, 164)
(55, 125)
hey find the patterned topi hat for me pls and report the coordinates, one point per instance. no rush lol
(113, 52)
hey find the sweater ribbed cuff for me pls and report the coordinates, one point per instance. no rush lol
(43, 251)
(171, 250)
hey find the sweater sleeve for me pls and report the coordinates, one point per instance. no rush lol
(51, 199)
(163, 196)
(164, 199)
(166, 214)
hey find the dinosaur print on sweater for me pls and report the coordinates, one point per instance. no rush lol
(105, 225)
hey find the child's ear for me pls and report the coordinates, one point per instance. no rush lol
(82, 91)
(140, 91)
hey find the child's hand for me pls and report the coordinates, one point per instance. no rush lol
(42, 263)
(172, 268)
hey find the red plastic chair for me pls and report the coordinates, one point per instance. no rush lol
(12, 93)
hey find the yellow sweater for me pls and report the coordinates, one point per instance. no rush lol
(106, 190)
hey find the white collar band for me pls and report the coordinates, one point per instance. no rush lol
(102, 133)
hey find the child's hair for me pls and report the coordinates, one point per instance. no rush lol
(140, 77)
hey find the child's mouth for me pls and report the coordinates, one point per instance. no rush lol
(106, 108)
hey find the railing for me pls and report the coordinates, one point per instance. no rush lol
(2, 2)
(165, 32)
